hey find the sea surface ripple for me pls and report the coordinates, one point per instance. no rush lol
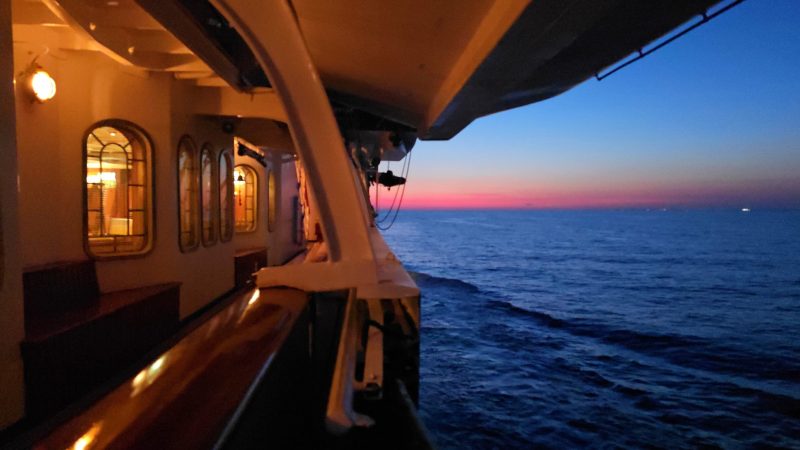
(607, 329)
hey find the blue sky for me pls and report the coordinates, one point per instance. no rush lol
(712, 119)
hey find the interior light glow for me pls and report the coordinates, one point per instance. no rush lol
(42, 85)
(238, 177)
(108, 179)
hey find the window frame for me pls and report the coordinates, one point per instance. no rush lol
(228, 158)
(192, 146)
(272, 200)
(206, 148)
(149, 209)
(256, 193)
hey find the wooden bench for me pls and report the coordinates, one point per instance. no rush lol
(76, 338)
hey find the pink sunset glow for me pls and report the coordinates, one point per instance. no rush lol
(483, 194)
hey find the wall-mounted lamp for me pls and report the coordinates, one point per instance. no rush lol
(40, 86)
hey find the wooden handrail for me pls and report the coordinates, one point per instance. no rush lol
(189, 395)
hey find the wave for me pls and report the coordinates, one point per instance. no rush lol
(684, 350)
(427, 280)
(628, 338)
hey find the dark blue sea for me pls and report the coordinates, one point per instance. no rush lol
(607, 329)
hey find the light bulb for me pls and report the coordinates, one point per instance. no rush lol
(43, 85)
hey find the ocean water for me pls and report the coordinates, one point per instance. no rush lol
(607, 329)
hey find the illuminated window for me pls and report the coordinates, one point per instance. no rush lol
(118, 190)
(245, 198)
(225, 197)
(207, 194)
(189, 225)
(273, 201)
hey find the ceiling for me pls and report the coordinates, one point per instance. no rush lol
(119, 28)
(432, 66)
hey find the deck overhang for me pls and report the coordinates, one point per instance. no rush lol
(437, 66)
(421, 66)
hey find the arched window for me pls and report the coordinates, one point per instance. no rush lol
(189, 224)
(207, 194)
(118, 190)
(245, 198)
(225, 196)
(272, 212)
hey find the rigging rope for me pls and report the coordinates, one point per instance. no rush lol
(404, 174)
(406, 169)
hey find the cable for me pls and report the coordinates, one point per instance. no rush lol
(403, 173)
(402, 194)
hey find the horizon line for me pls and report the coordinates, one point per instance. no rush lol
(600, 208)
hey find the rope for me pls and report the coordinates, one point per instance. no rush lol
(403, 173)
(407, 168)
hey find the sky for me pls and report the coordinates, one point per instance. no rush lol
(711, 120)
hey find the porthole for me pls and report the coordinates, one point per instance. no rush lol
(207, 197)
(225, 183)
(188, 195)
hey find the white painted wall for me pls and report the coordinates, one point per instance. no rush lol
(285, 222)
(47, 225)
(11, 306)
(92, 87)
(278, 241)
